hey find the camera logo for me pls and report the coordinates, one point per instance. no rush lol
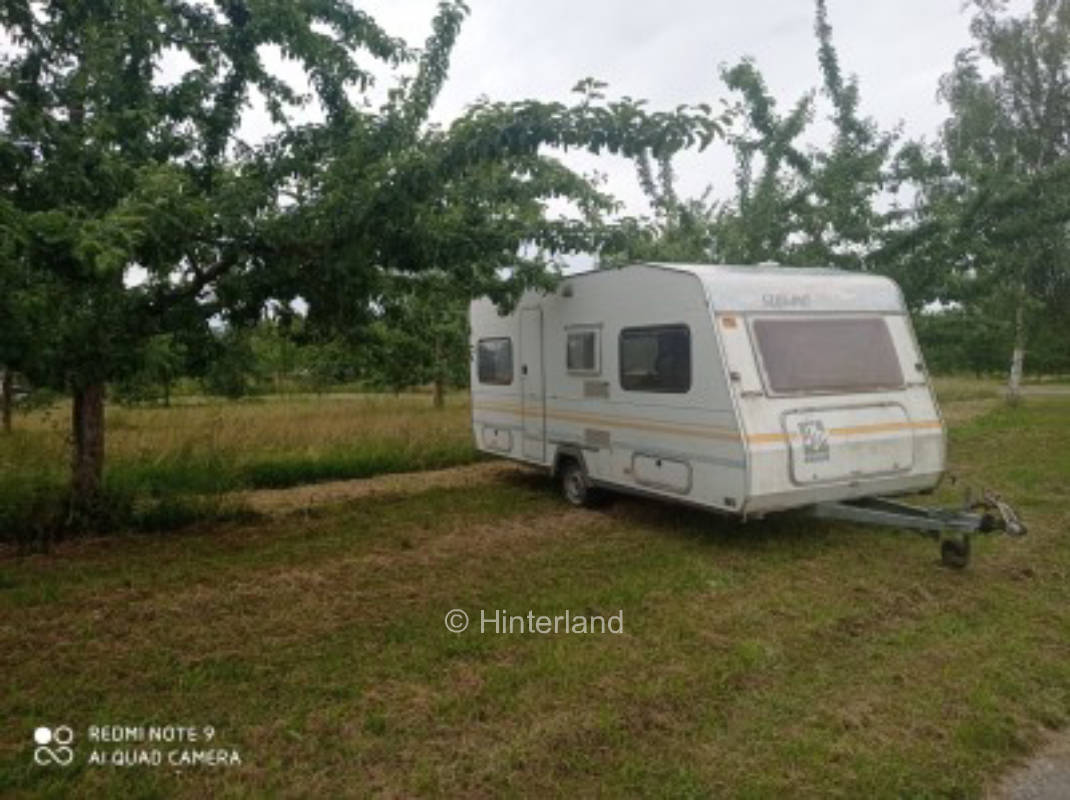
(53, 746)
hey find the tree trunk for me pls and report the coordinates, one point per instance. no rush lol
(440, 379)
(1014, 385)
(6, 398)
(87, 464)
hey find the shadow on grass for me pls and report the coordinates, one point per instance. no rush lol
(44, 517)
(669, 518)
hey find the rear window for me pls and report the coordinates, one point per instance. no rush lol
(834, 354)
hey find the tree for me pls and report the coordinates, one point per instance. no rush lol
(998, 194)
(231, 369)
(164, 360)
(326, 363)
(760, 222)
(7, 397)
(276, 350)
(420, 335)
(792, 204)
(24, 333)
(109, 169)
(141, 212)
(841, 220)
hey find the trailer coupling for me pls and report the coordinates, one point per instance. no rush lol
(951, 527)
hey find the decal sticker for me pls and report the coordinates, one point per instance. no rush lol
(815, 441)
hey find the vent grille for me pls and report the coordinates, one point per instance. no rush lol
(596, 438)
(596, 389)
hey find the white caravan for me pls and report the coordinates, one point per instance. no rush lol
(744, 390)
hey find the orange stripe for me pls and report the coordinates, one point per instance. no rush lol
(768, 438)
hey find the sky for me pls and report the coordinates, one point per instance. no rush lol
(669, 52)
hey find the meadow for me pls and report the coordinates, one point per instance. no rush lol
(203, 446)
(780, 658)
(166, 466)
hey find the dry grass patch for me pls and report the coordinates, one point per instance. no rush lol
(303, 498)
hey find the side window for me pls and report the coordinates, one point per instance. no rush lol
(494, 361)
(656, 359)
(582, 351)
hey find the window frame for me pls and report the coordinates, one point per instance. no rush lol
(512, 363)
(582, 330)
(656, 328)
(767, 383)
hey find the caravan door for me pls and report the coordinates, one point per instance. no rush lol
(532, 384)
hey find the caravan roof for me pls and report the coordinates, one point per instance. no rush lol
(765, 288)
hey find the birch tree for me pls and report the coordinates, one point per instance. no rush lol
(1006, 193)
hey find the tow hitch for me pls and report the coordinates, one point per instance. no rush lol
(951, 527)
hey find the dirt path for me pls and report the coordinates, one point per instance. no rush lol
(299, 498)
(1046, 776)
(1045, 391)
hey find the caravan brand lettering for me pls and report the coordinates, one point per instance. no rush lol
(786, 300)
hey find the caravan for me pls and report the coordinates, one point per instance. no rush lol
(744, 390)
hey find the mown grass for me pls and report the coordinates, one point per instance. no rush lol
(784, 658)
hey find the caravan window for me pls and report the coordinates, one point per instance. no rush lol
(494, 361)
(831, 354)
(581, 351)
(656, 359)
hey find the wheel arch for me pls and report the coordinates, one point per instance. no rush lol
(566, 453)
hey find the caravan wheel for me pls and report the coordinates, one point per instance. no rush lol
(955, 554)
(574, 485)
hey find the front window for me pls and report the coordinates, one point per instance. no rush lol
(827, 355)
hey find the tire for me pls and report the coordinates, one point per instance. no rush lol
(955, 554)
(574, 485)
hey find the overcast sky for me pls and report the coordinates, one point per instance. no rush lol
(669, 51)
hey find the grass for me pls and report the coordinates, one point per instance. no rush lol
(278, 441)
(783, 658)
(957, 388)
(202, 447)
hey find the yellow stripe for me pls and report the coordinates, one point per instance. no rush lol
(707, 431)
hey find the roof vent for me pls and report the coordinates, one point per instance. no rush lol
(566, 290)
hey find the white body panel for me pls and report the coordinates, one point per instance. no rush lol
(731, 441)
